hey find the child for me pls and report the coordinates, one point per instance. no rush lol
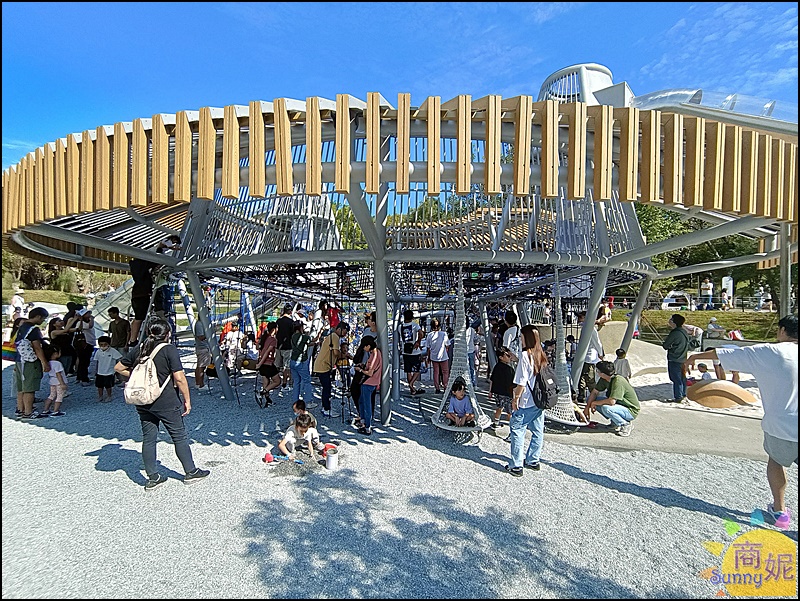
(299, 408)
(572, 346)
(501, 385)
(301, 430)
(704, 374)
(58, 382)
(459, 412)
(106, 358)
(621, 365)
(343, 364)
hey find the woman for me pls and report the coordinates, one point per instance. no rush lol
(60, 334)
(299, 364)
(525, 414)
(372, 374)
(85, 340)
(168, 409)
(437, 342)
(270, 377)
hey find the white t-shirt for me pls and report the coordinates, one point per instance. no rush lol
(707, 376)
(437, 342)
(106, 360)
(623, 368)
(524, 376)
(707, 288)
(511, 340)
(290, 439)
(55, 369)
(594, 353)
(471, 340)
(774, 366)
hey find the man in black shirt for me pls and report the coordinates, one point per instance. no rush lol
(141, 291)
(284, 337)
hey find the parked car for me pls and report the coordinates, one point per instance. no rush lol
(677, 300)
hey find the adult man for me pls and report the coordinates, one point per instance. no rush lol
(594, 353)
(119, 329)
(202, 350)
(17, 304)
(410, 340)
(284, 338)
(714, 330)
(621, 404)
(32, 364)
(707, 294)
(677, 345)
(775, 369)
(141, 291)
(325, 363)
(511, 336)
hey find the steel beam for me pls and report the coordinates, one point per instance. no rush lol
(383, 334)
(641, 300)
(723, 263)
(598, 289)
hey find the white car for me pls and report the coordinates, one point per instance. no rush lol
(676, 300)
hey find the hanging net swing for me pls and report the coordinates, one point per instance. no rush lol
(460, 369)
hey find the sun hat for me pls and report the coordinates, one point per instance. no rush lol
(20, 291)
(713, 319)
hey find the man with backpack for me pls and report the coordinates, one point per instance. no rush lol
(620, 405)
(677, 346)
(411, 336)
(31, 362)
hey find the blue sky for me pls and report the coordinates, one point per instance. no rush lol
(68, 67)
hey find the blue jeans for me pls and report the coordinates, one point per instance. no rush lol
(325, 380)
(471, 359)
(365, 407)
(675, 371)
(618, 414)
(301, 376)
(173, 422)
(529, 418)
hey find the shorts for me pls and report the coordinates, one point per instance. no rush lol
(782, 452)
(282, 358)
(268, 371)
(105, 381)
(140, 305)
(411, 363)
(204, 358)
(503, 402)
(28, 375)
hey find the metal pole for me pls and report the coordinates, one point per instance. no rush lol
(598, 289)
(786, 272)
(187, 304)
(641, 300)
(202, 310)
(383, 339)
(395, 354)
(250, 313)
(487, 335)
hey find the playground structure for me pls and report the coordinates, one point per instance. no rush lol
(398, 205)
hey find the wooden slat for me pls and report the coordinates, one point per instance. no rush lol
(182, 181)
(403, 143)
(283, 149)
(313, 147)
(18, 197)
(102, 170)
(73, 175)
(140, 148)
(159, 165)
(546, 115)
(694, 165)
(38, 185)
(491, 172)
(341, 182)
(86, 201)
(48, 181)
(230, 153)
(22, 183)
(764, 176)
(749, 172)
(523, 107)
(257, 176)
(373, 158)
(714, 164)
(778, 164)
(206, 155)
(464, 144)
(650, 174)
(434, 131)
(673, 157)
(628, 119)
(60, 179)
(603, 119)
(790, 185)
(121, 162)
(732, 170)
(6, 204)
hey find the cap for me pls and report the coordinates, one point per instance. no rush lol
(20, 291)
(713, 319)
(699, 365)
(80, 312)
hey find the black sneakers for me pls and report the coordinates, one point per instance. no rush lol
(514, 471)
(533, 466)
(197, 474)
(153, 482)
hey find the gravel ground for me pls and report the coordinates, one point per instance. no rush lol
(410, 513)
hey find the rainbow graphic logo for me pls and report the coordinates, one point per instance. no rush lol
(757, 563)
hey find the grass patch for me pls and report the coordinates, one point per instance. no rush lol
(754, 325)
(46, 296)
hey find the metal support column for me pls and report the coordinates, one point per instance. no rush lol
(250, 314)
(523, 317)
(395, 353)
(383, 339)
(487, 335)
(785, 299)
(591, 315)
(641, 301)
(202, 310)
(187, 304)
